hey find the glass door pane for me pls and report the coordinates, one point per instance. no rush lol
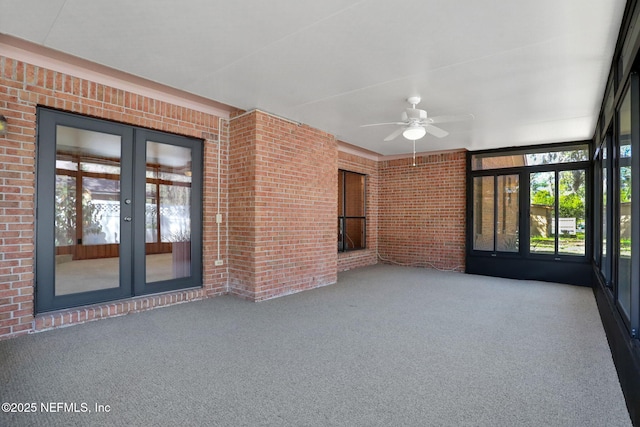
(87, 211)
(483, 213)
(542, 212)
(571, 212)
(508, 213)
(624, 207)
(604, 261)
(168, 212)
(116, 209)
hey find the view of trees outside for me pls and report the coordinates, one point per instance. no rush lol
(570, 190)
(542, 212)
(65, 220)
(571, 207)
(625, 200)
(624, 245)
(493, 161)
(570, 230)
(556, 195)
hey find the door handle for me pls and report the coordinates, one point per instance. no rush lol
(127, 218)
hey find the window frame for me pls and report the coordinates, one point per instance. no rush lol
(603, 209)
(524, 189)
(557, 169)
(631, 319)
(496, 174)
(342, 217)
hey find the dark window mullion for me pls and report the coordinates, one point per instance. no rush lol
(343, 218)
(597, 210)
(609, 209)
(556, 208)
(524, 227)
(635, 212)
(341, 214)
(495, 213)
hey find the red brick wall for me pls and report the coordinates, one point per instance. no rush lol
(422, 211)
(278, 197)
(282, 207)
(354, 163)
(242, 207)
(23, 87)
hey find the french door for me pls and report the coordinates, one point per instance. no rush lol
(118, 211)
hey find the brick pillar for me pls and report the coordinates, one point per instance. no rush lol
(283, 207)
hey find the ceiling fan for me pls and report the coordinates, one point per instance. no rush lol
(415, 124)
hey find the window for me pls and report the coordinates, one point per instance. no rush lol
(557, 212)
(496, 213)
(554, 184)
(624, 206)
(530, 157)
(602, 182)
(351, 211)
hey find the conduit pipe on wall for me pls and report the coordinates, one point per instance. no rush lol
(220, 134)
(219, 211)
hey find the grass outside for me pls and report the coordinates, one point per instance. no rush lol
(570, 244)
(567, 244)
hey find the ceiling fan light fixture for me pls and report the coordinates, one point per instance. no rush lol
(414, 132)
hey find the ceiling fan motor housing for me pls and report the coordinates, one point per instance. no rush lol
(413, 114)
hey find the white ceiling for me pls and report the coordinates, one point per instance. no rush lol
(529, 71)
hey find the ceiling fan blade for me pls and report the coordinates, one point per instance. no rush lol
(394, 135)
(436, 131)
(381, 124)
(447, 119)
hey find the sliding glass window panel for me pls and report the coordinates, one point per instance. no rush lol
(169, 171)
(542, 212)
(508, 214)
(341, 193)
(571, 212)
(354, 195)
(483, 213)
(624, 244)
(597, 211)
(604, 259)
(624, 206)
(353, 235)
(341, 246)
(351, 211)
(87, 210)
(531, 157)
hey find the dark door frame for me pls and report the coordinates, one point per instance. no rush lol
(132, 233)
(523, 264)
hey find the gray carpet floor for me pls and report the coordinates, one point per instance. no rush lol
(385, 346)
